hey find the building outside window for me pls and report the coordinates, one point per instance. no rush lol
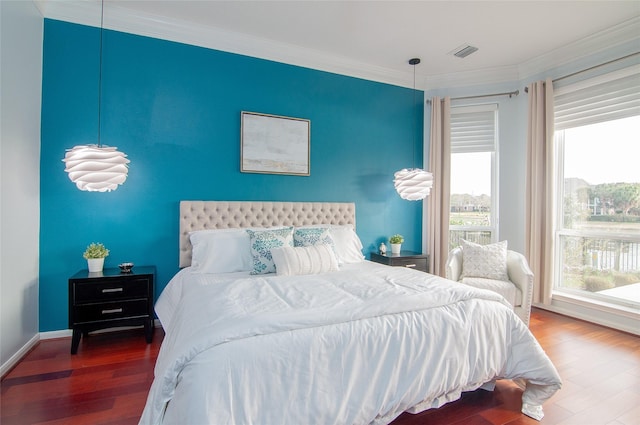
(474, 199)
(597, 141)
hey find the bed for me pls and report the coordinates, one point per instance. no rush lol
(329, 338)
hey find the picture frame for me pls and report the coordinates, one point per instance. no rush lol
(273, 144)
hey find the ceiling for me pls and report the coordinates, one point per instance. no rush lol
(375, 39)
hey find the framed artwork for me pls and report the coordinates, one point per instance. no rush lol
(271, 144)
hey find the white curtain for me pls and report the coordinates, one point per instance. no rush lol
(540, 189)
(439, 200)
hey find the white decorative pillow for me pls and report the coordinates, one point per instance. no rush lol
(220, 251)
(348, 244)
(262, 242)
(301, 260)
(485, 261)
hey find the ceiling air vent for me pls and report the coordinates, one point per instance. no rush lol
(464, 51)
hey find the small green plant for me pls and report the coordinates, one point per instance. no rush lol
(95, 250)
(396, 239)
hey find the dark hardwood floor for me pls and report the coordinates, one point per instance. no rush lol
(107, 381)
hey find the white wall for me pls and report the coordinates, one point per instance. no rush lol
(512, 150)
(21, 35)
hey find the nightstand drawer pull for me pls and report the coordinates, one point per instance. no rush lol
(114, 310)
(410, 265)
(106, 291)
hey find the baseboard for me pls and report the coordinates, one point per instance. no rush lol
(66, 333)
(588, 313)
(15, 359)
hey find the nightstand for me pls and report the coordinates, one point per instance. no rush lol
(110, 299)
(414, 260)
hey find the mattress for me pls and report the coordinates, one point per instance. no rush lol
(356, 346)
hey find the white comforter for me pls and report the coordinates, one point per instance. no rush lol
(357, 346)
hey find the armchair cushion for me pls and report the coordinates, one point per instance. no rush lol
(484, 261)
(507, 289)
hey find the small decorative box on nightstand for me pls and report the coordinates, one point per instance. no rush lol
(110, 299)
(410, 259)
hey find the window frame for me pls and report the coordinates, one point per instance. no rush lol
(494, 213)
(561, 232)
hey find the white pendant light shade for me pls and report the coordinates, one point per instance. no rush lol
(96, 168)
(413, 184)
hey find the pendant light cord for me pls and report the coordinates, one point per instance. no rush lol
(100, 75)
(414, 62)
(415, 116)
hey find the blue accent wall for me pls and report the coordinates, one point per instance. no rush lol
(174, 109)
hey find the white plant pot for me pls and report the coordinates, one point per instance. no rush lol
(395, 248)
(95, 264)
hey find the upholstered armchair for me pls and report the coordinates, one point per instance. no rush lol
(518, 290)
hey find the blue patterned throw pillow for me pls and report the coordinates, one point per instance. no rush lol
(310, 236)
(262, 242)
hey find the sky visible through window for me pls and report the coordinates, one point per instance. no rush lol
(607, 152)
(471, 173)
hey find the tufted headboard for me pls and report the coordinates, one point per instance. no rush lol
(201, 215)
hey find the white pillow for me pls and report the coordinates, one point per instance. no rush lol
(314, 259)
(347, 243)
(220, 251)
(261, 244)
(485, 261)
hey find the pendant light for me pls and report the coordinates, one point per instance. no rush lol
(96, 167)
(413, 184)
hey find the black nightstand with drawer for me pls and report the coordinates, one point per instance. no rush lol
(110, 299)
(409, 259)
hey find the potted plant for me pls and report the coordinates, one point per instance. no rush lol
(396, 243)
(95, 254)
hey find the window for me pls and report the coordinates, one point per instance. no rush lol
(473, 174)
(597, 128)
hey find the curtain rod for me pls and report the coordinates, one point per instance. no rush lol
(595, 66)
(526, 89)
(510, 94)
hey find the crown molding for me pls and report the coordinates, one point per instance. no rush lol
(626, 32)
(78, 12)
(122, 19)
(472, 78)
(218, 39)
(87, 12)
